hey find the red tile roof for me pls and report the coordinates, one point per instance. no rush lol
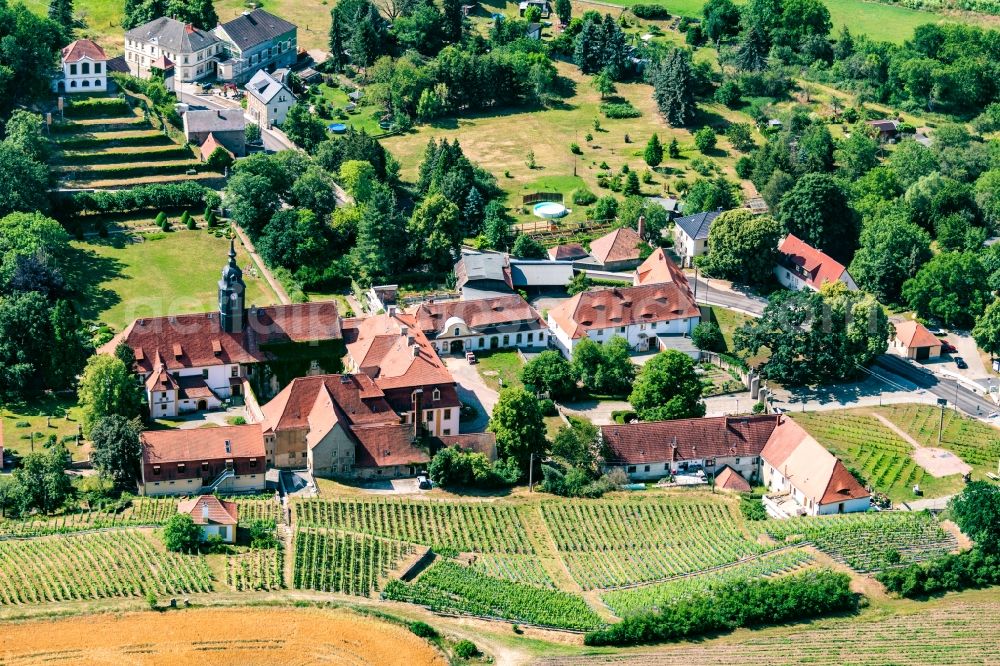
(210, 145)
(567, 252)
(657, 268)
(394, 351)
(357, 401)
(220, 512)
(194, 387)
(730, 479)
(171, 446)
(477, 314)
(201, 342)
(818, 267)
(808, 466)
(383, 446)
(83, 48)
(714, 437)
(914, 334)
(609, 308)
(620, 245)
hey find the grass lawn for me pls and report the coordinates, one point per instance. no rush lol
(45, 415)
(505, 365)
(728, 321)
(364, 117)
(875, 453)
(127, 276)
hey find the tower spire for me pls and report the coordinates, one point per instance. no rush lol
(232, 313)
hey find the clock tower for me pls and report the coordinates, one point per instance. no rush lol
(232, 295)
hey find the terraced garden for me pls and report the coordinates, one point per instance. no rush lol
(122, 563)
(879, 456)
(651, 597)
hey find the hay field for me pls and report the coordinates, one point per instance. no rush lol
(231, 636)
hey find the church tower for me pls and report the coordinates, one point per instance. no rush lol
(232, 295)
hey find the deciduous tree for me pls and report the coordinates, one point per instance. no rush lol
(117, 451)
(518, 425)
(743, 247)
(667, 388)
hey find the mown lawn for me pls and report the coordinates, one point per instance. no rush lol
(127, 276)
(505, 365)
(43, 415)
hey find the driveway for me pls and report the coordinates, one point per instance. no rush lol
(472, 390)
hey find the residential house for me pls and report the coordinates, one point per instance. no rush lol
(618, 250)
(268, 100)
(226, 126)
(913, 340)
(806, 479)
(197, 361)
(650, 451)
(659, 268)
(501, 322)
(392, 350)
(228, 459)
(801, 266)
(254, 41)
(84, 69)
(166, 42)
(649, 317)
(887, 129)
(488, 274)
(669, 204)
(533, 31)
(691, 235)
(217, 518)
(542, 5)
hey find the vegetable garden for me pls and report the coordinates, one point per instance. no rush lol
(347, 563)
(651, 597)
(613, 543)
(468, 527)
(867, 541)
(450, 587)
(123, 563)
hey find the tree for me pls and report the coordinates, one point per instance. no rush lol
(816, 211)
(551, 372)
(251, 133)
(181, 535)
(26, 181)
(496, 226)
(815, 150)
(857, 154)
(303, 128)
(30, 48)
(977, 512)
(743, 247)
(124, 353)
(251, 201)
(987, 189)
(674, 86)
(722, 19)
(616, 372)
(578, 283)
(952, 288)
(710, 194)
(577, 444)
(751, 56)
(358, 178)
(801, 19)
(526, 247)
(41, 481)
(564, 10)
(220, 160)
(631, 187)
(654, 151)
(69, 349)
(25, 342)
(116, 450)
(891, 251)
(452, 20)
(740, 136)
(26, 132)
(816, 338)
(667, 388)
(61, 12)
(518, 425)
(604, 84)
(587, 359)
(316, 190)
(707, 336)
(435, 232)
(382, 246)
(704, 139)
(986, 333)
(107, 388)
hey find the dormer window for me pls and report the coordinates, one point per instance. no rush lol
(436, 395)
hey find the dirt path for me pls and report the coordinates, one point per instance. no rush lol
(264, 270)
(937, 462)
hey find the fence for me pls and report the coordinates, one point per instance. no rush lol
(538, 197)
(716, 359)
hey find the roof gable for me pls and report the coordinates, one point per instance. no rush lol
(914, 334)
(252, 28)
(818, 266)
(657, 268)
(172, 35)
(611, 308)
(697, 226)
(83, 48)
(621, 244)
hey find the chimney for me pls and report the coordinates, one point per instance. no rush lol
(188, 28)
(204, 511)
(391, 310)
(414, 348)
(229, 446)
(641, 226)
(417, 412)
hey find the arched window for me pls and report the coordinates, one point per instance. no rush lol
(456, 331)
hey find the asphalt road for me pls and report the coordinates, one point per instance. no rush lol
(955, 393)
(708, 292)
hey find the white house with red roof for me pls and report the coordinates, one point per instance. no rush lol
(84, 69)
(228, 459)
(804, 478)
(215, 517)
(500, 322)
(913, 340)
(801, 266)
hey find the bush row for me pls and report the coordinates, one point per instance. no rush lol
(96, 106)
(651, 12)
(84, 142)
(971, 569)
(620, 110)
(735, 604)
(155, 197)
(172, 153)
(139, 170)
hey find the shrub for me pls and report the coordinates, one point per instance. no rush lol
(651, 12)
(752, 508)
(707, 336)
(151, 600)
(423, 629)
(620, 110)
(704, 139)
(466, 649)
(180, 534)
(575, 149)
(583, 197)
(161, 219)
(971, 569)
(548, 407)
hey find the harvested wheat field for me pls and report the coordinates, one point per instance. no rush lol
(220, 636)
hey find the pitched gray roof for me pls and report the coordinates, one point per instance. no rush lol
(484, 266)
(214, 120)
(253, 28)
(696, 226)
(172, 35)
(264, 87)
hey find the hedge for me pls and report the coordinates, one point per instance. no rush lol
(136, 171)
(650, 12)
(154, 197)
(83, 142)
(971, 569)
(620, 110)
(71, 127)
(739, 603)
(173, 153)
(96, 106)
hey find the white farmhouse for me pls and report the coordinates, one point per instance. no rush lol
(268, 100)
(691, 235)
(84, 69)
(801, 266)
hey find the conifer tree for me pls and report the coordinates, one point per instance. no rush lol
(654, 151)
(673, 87)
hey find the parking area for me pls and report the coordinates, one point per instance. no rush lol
(472, 390)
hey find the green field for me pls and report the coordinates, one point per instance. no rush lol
(126, 276)
(501, 365)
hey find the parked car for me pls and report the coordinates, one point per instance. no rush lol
(947, 347)
(471, 358)
(423, 483)
(960, 363)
